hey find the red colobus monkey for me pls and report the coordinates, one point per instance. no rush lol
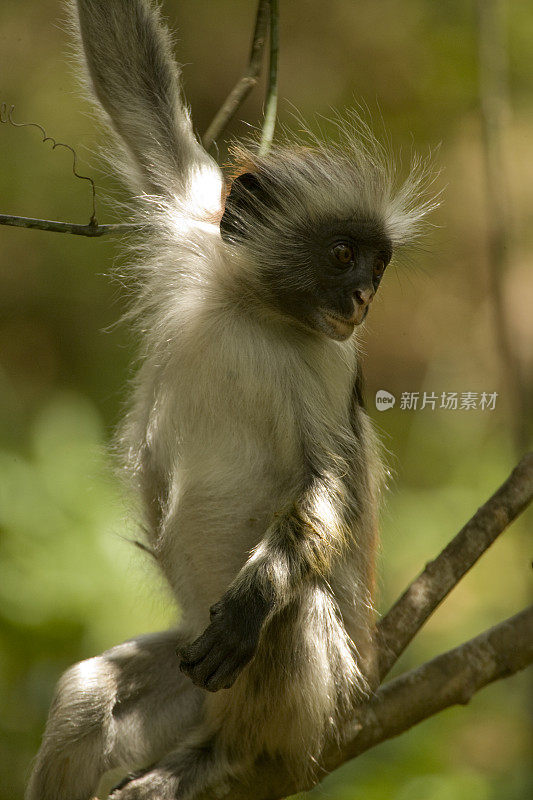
(246, 439)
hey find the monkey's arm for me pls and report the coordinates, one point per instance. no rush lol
(300, 545)
(131, 71)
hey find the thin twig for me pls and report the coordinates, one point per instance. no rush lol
(92, 229)
(246, 83)
(408, 614)
(450, 679)
(271, 105)
(69, 227)
(6, 118)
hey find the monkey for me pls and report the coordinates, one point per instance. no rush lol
(257, 467)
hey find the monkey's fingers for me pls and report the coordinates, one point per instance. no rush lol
(227, 674)
(216, 658)
(195, 653)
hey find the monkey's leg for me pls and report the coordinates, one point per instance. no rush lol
(199, 763)
(284, 703)
(124, 708)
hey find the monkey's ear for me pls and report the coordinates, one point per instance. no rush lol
(247, 202)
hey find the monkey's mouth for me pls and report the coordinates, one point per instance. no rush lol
(339, 327)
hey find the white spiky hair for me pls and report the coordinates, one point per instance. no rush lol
(354, 176)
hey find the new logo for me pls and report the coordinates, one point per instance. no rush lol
(384, 400)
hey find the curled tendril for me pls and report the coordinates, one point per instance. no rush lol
(6, 117)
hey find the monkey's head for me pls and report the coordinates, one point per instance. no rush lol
(320, 226)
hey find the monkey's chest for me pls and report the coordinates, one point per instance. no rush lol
(245, 420)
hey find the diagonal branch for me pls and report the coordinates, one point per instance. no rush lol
(246, 83)
(427, 591)
(450, 679)
(447, 680)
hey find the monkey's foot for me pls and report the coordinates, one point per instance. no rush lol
(216, 658)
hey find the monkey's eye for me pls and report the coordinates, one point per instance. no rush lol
(379, 268)
(343, 253)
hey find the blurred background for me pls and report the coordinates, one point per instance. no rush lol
(456, 316)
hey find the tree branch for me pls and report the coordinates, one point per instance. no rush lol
(450, 679)
(427, 591)
(92, 229)
(246, 83)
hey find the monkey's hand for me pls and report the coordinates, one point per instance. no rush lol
(216, 658)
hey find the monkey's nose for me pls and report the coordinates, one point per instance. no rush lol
(364, 296)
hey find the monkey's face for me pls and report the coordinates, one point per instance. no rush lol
(318, 269)
(340, 273)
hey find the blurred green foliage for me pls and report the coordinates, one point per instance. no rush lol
(70, 583)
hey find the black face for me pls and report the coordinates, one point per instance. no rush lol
(347, 260)
(324, 274)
